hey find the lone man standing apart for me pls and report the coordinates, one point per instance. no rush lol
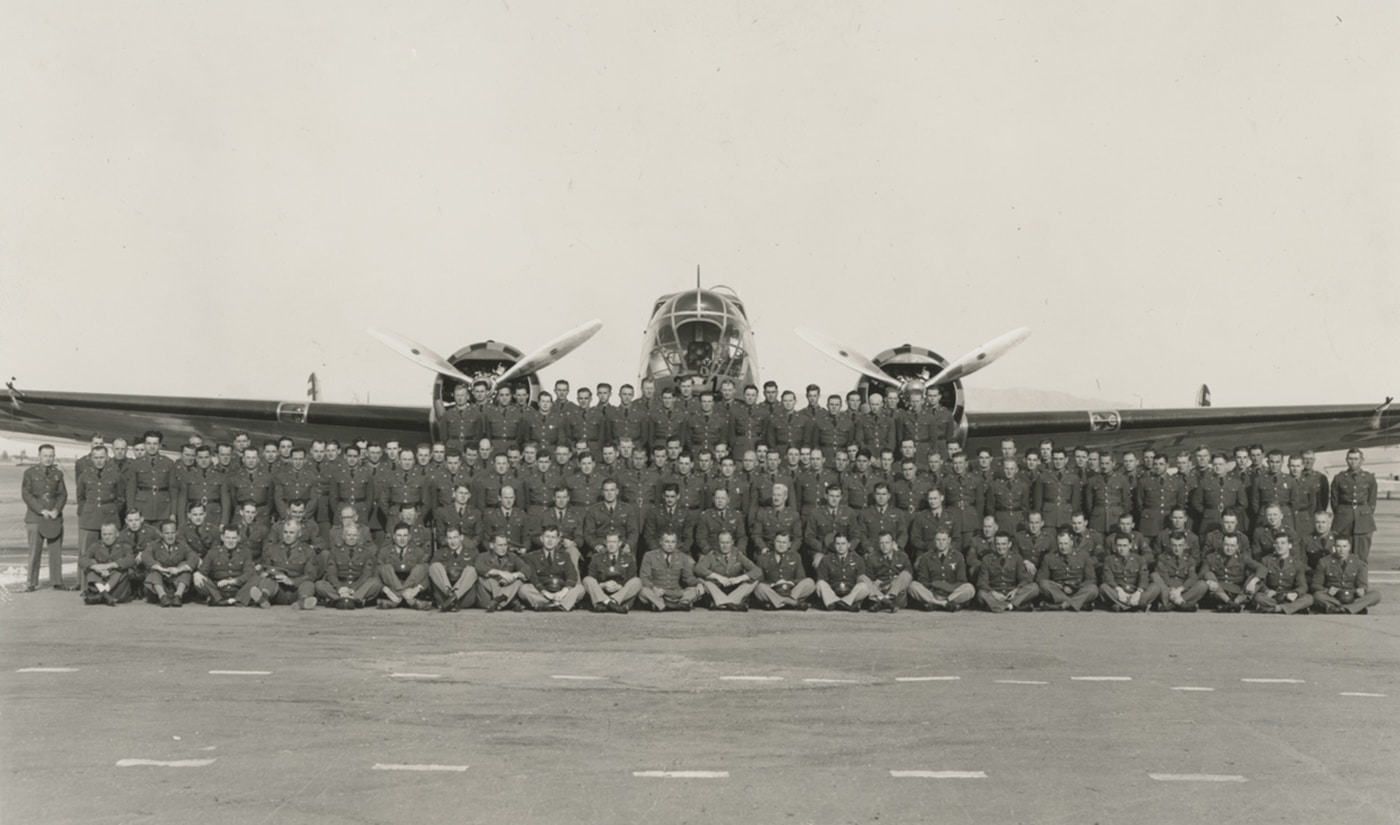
(44, 492)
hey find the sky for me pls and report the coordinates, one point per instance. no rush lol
(209, 199)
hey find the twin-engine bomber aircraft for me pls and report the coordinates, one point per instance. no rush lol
(705, 334)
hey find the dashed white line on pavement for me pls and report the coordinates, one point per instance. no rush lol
(1101, 678)
(938, 774)
(240, 673)
(927, 678)
(752, 678)
(47, 670)
(1372, 695)
(157, 763)
(1189, 687)
(379, 766)
(1019, 682)
(1274, 681)
(831, 681)
(415, 675)
(567, 677)
(681, 774)
(1197, 777)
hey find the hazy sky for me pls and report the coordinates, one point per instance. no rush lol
(216, 198)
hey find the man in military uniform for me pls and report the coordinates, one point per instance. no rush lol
(1354, 504)
(882, 517)
(567, 522)
(453, 573)
(401, 487)
(296, 482)
(203, 484)
(1157, 495)
(103, 566)
(225, 575)
(1066, 578)
(1009, 499)
(719, 519)
(100, 493)
(786, 427)
(1034, 542)
(252, 484)
(403, 570)
(168, 565)
(500, 574)
(1127, 585)
(876, 429)
(197, 533)
(825, 523)
(502, 422)
(940, 576)
(1319, 541)
(1058, 492)
(462, 423)
(253, 532)
(1272, 488)
(1005, 582)
(352, 485)
(966, 498)
(1272, 527)
(1281, 584)
(909, 491)
(927, 522)
(841, 580)
(612, 515)
(612, 582)
(1340, 583)
(151, 481)
(1178, 522)
(665, 422)
(1216, 494)
(1175, 576)
(350, 570)
(670, 517)
(725, 573)
(1228, 572)
(1316, 479)
(890, 573)
(44, 492)
(776, 518)
(783, 582)
(668, 576)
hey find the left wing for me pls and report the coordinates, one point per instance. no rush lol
(76, 416)
(1291, 429)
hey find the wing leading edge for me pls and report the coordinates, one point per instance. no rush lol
(1291, 429)
(78, 415)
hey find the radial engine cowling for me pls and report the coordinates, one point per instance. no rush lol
(484, 360)
(911, 363)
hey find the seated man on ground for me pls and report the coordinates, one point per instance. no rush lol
(1283, 580)
(1067, 578)
(225, 576)
(1340, 583)
(103, 568)
(1005, 581)
(668, 576)
(940, 576)
(612, 582)
(1127, 585)
(501, 573)
(1180, 588)
(1228, 573)
(453, 572)
(350, 568)
(288, 571)
(403, 569)
(727, 575)
(784, 583)
(890, 574)
(841, 580)
(553, 584)
(169, 565)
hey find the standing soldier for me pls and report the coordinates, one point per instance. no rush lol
(297, 482)
(748, 422)
(966, 498)
(1272, 486)
(1217, 493)
(252, 484)
(1107, 495)
(666, 423)
(631, 420)
(1057, 493)
(502, 422)
(876, 429)
(1157, 495)
(44, 492)
(708, 426)
(778, 517)
(787, 428)
(1302, 499)
(824, 524)
(591, 422)
(205, 485)
(612, 515)
(1009, 498)
(100, 493)
(924, 526)
(151, 483)
(403, 486)
(1354, 504)
(352, 485)
(462, 423)
(1318, 480)
(882, 517)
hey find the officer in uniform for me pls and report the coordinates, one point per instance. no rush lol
(928, 521)
(103, 567)
(668, 576)
(289, 571)
(1216, 494)
(352, 485)
(168, 565)
(296, 482)
(1273, 488)
(404, 486)
(1057, 493)
(1066, 578)
(1274, 526)
(502, 422)
(403, 570)
(612, 582)
(721, 518)
(825, 523)
(225, 575)
(1157, 494)
(1302, 499)
(453, 573)
(1009, 499)
(1005, 582)
(1228, 572)
(462, 423)
(1354, 504)
(841, 580)
(151, 482)
(877, 429)
(786, 427)
(883, 517)
(1340, 584)
(500, 574)
(1316, 479)
(768, 522)
(567, 522)
(1126, 583)
(203, 484)
(726, 574)
(783, 584)
(1229, 526)
(940, 576)
(100, 493)
(967, 494)
(44, 492)
(350, 570)
(1281, 584)
(670, 517)
(252, 484)
(612, 515)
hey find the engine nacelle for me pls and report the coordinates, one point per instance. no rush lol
(484, 360)
(918, 364)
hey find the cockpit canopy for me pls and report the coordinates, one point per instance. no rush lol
(698, 332)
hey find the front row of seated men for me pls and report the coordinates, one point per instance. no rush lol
(352, 572)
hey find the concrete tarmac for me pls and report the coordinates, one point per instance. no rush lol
(380, 716)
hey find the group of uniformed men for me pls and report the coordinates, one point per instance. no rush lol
(723, 499)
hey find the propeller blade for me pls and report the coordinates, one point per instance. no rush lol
(418, 354)
(845, 356)
(981, 357)
(551, 352)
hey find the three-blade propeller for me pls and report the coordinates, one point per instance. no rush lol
(532, 363)
(961, 367)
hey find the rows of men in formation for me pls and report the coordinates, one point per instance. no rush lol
(517, 487)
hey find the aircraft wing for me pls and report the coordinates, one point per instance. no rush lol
(76, 416)
(1291, 429)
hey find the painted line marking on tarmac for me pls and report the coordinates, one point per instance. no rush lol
(576, 678)
(1353, 693)
(415, 675)
(240, 673)
(1101, 678)
(1019, 682)
(1188, 687)
(939, 774)
(1197, 777)
(927, 678)
(831, 681)
(380, 766)
(157, 763)
(681, 774)
(47, 670)
(752, 678)
(1274, 681)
